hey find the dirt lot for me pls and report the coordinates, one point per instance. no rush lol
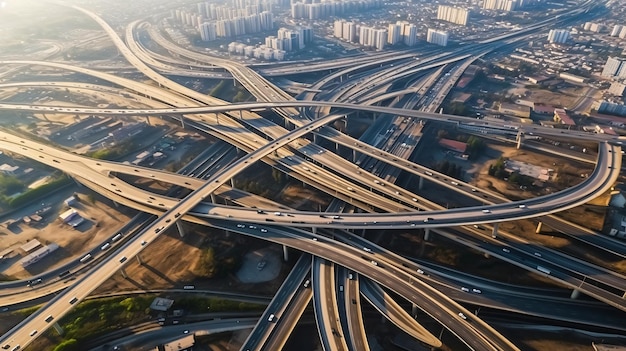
(102, 221)
(566, 97)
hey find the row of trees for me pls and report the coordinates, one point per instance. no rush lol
(449, 168)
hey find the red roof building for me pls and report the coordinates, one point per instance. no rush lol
(560, 116)
(453, 145)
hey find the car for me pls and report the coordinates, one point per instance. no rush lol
(474, 190)
(35, 282)
(522, 206)
(350, 276)
(314, 239)
(537, 254)
(123, 259)
(4, 309)
(486, 211)
(428, 219)
(185, 331)
(263, 230)
(477, 291)
(374, 263)
(33, 333)
(260, 211)
(271, 318)
(464, 289)
(462, 315)
(252, 227)
(419, 271)
(241, 226)
(506, 250)
(73, 300)
(143, 243)
(367, 249)
(307, 283)
(49, 318)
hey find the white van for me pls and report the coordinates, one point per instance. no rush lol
(85, 258)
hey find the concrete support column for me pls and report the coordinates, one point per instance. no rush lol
(414, 310)
(285, 253)
(314, 230)
(353, 155)
(232, 182)
(426, 234)
(494, 231)
(575, 294)
(123, 273)
(181, 230)
(212, 198)
(337, 147)
(624, 295)
(182, 121)
(519, 140)
(58, 328)
(539, 225)
(315, 138)
(240, 114)
(421, 183)
(139, 259)
(148, 120)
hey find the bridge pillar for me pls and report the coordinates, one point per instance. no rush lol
(285, 253)
(353, 155)
(59, 329)
(426, 234)
(575, 294)
(139, 259)
(240, 113)
(421, 183)
(116, 204)
(182, 121)
(494, 231)
(314, 230)
(414, 310)
(519, 140)
(181, 230)
(148, 120)
(315, 138)
(123, 273)
(539, 225)
(232, 182)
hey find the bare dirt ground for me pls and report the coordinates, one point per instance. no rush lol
(564, 98)
(102, 221)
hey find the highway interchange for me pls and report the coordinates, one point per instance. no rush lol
(287, 227)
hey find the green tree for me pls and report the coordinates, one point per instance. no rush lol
(209, 263)
(67, 345)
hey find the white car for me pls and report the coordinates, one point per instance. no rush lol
(464, 289)
(477, 291)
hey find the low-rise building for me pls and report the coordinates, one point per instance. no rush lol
(561, 117)
(514, 109)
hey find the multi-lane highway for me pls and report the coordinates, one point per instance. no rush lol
(288, 150)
